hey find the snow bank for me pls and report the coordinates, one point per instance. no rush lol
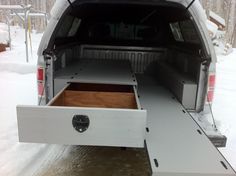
(212, 28)
(22, 68)
(3, 27)
(224, 104)
(15, 60)
(15, 157)
(4, 38)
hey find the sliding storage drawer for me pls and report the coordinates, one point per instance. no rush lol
(86, 114)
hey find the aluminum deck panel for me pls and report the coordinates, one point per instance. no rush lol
(97, 72)
(175, 143)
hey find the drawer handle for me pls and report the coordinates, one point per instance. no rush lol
(80, 123)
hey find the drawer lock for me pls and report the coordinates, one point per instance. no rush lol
(80, 123)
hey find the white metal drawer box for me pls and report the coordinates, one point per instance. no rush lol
(86, 114)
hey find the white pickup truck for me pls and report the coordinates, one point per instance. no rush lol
(128, 74)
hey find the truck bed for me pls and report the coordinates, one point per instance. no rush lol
(176, 145)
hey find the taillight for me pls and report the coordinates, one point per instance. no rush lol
(40, 79)
(40, 74)
(211, 87)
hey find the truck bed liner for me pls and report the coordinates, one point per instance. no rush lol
(176, 145)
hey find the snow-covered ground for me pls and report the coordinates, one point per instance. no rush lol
(4, 37)
(18, 86)
(15, 60)
(224, 105)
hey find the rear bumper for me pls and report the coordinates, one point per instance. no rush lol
(218, 140)
(204, 120)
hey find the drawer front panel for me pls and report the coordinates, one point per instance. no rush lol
(104, 127)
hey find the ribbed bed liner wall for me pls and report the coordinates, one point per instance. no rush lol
(139, 57)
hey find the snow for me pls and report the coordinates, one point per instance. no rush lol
(18, 86)
(224, 105)
(30, 14)
(4, 38)
(3, 26)
(212, 27)
(15, 60)
(217, 37)
(11, 7)
(15, 89)
(217, 17)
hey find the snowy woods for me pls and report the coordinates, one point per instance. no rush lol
(41, 5)
(227, 10)
(44, 6)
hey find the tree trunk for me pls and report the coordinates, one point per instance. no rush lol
(234, 37)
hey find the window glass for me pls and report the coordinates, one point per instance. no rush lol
(121, 31)
(65, 26)
(189, 33)
(74, 28)
(125, 31)
(175, 28)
